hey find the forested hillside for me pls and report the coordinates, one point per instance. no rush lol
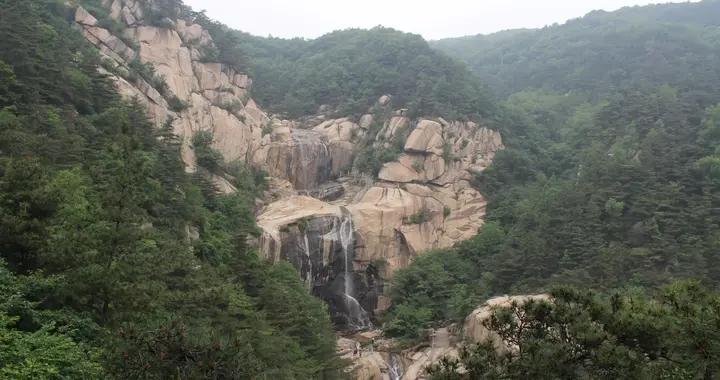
(610, 178)
(349, 70)
(115, 263)
(602, 53)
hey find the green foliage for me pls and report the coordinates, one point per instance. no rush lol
(206, 155)
(420, 217)
(609, 177)
(601, 53)
(583, 335)
(43, 354)
(119, 264)
(176, 104)
(371, 155)
(146, 71)
(350, 69)
(435, 288)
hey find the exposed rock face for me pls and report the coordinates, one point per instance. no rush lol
(302, 156)
(380, 360)
(319, 240)
(426, 138)
(215, 95)
(423, 200)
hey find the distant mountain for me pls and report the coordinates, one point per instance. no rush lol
(675, 44)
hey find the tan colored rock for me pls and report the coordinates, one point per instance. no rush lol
(155, 104)
(338, 130)
(288, 211)
(243, 81)
(379, 217)
(413, 168)
(396, 171)
(84, 17)
(341, 157)
(108, 44)
(190, 33)
(164, 49)
(298, 155)
(426, 138)
(392, 128)
(116, 10)
(128, 17)
(366, 121)
(476, 332)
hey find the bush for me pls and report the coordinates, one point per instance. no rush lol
(207, 157)
(176, 104)
(420, 217)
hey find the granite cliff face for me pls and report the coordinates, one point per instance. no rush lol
(345, 233)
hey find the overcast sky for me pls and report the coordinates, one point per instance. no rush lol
(433, 19)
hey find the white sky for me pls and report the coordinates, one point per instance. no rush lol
(432, 19)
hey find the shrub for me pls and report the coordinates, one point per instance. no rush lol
(176, 104)
(419, 217)
(207, 157)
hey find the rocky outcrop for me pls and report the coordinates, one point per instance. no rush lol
(380, 359)
(420, 202)
(319, 239)
(423, 200)
(474, 329)
(205, 96)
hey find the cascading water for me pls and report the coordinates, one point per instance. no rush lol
(394, 368)
(358, 318)
(309, 278)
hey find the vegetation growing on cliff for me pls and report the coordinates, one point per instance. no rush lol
(114, 262)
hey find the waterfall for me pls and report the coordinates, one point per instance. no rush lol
(394, 368)
(309, 278)
(358, 318)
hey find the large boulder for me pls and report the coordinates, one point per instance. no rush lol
(426, 138)
(474, 328)
(413, 167)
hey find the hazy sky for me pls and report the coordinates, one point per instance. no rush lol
(433, 19)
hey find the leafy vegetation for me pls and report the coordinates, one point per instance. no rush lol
(350, 69)
(582, 334)
(115, 263)
(602, 53)
(605, 183)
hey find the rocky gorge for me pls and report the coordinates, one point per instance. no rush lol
(345, 232)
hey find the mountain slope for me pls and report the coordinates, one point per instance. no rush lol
(602, 53)
(114, 262)
(609, 178)
(349, 69)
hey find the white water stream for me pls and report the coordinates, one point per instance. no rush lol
(358, 318)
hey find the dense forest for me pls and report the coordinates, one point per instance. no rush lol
(602, 53)
(349, 70)
(115, 263)
(608, 182)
